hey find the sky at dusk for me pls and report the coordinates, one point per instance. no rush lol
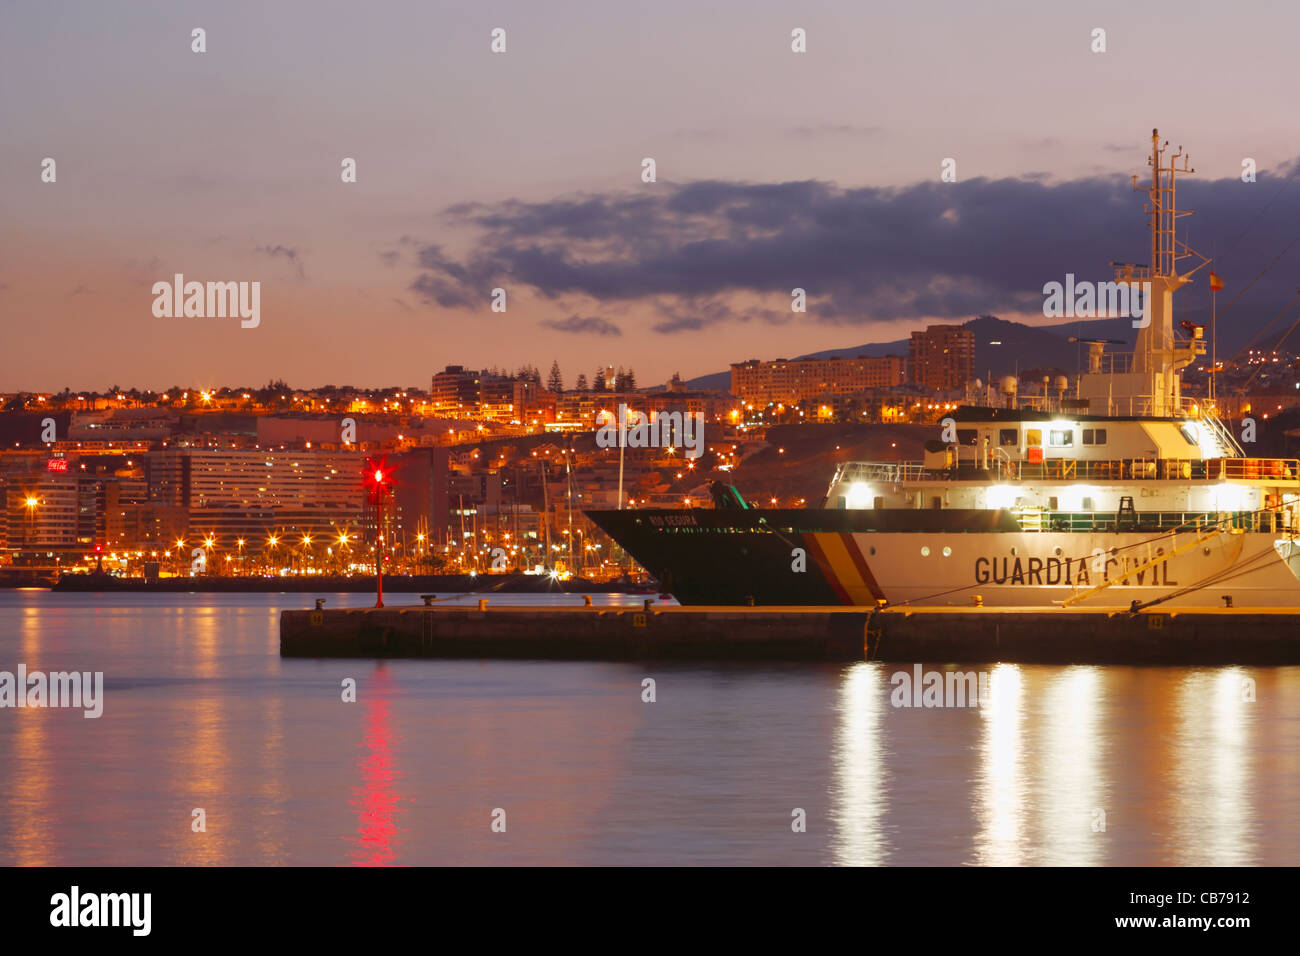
(522, 170)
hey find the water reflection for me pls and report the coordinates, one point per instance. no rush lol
(858, 795)
(1000, 795)
(270, 822)
(27, 780)
(1072, 793)
(375, 799)
(1213, 782)
(202, 712)
(204, 758)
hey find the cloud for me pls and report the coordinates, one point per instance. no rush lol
(589, 325)
(706, 253)
(292, 255)
(445, 282)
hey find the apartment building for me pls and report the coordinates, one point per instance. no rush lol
(808, 380)
(942, 357)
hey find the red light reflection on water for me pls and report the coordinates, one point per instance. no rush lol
(376, 798)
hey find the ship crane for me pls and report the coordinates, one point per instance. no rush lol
(1200, 536)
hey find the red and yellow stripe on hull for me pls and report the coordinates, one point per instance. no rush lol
(843, 565)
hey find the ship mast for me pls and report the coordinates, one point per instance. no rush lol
(1151, 385)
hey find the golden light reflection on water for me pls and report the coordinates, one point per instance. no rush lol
(271, 842)
(858, 794)
(206, 644)
(203, 762)
(27, 781)
(1213, 780)
(1072, 791)
(1074, 766)
(1001, 790)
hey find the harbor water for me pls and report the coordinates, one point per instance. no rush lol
(536, 762)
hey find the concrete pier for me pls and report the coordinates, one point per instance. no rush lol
(576, 633)
(1055, 636)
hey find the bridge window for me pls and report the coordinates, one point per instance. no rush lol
(967, 436)
(1094, 436)
(1009, 436)
(1034, 437)
(1061, 437)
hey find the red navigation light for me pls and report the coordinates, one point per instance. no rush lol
(378, 478)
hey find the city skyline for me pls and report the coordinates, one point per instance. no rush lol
(479, 170)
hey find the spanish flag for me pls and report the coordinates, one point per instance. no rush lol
(1216, 283)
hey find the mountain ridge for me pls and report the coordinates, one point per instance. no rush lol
(1005, 347)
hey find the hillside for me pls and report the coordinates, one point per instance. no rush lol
(1001, 347)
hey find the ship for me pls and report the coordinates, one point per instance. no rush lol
(1108, 490)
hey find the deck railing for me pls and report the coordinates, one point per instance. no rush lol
(1033, 519)
(1079, 469)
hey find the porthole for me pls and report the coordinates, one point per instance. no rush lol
(872, 549)
(925, 551)
(1014, 552)
(1057, 551)
(947, 552)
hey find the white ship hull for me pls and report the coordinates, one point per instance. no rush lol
(1043, 569)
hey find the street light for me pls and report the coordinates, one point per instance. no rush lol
(31, 518)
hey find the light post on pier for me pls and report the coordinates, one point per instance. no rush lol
(378, 480)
